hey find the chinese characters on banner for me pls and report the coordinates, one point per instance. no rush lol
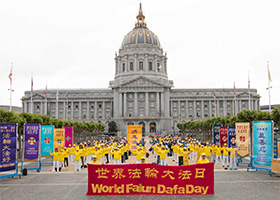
(242, 138)
(134, 135)
(59, 138)
(216, 133)
(153, 179)
(46, 140)
(224, 136)
(275, 148)
(231, 136)
(68, 135)
(31, 142)
(8, 146)
(262, 145)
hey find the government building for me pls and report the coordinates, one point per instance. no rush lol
(140, 93)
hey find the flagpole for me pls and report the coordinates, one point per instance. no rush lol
(31, 109)
(11, 86)
(269, 80)
(249, 90)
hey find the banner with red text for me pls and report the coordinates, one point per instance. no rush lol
(224, 136)
(134, 135)
(129, 179)
(242, 138)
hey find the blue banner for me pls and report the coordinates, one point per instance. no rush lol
(216, 133)
(8, 146)
(275, 149)
(47, 134)
(262, 144)
(231, 136)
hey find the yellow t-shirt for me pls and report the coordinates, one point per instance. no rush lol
(95, 163)
(201, 161)
(232, 152)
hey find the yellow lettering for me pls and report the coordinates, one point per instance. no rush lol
(197, 189)
(181, 190)
(161, 189)
(189, 189)
(204, 190)
(128, 188)
(96, 187)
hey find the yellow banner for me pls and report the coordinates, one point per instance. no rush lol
(59, 138)
(242, 138)
(134, 135)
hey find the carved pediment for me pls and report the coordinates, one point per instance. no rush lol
(141, 82)
(38, 96)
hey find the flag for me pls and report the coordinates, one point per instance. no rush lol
(269, 76)
(224, 94)
(10, 75)
(46, 92)
(31, 82)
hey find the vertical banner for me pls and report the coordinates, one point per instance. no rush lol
(275, 148)
(68, 135)
(224, 135)
(216, 133)
(134, 135)
(231, 136)
(242, 138)
(262, 144)
(31, 142)
(8, 146)
(47, 140)
(59, 138)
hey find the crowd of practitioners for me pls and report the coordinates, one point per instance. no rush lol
(182, 150)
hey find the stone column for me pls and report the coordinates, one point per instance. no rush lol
(187, 109)
(166, 104)
(80, 110)
(95, 110)
(194, 109)
(146, 63)
(56, 109)
(162, 103)
(46, 108)
(135, 63)
(125, 105)
(64, 109)
(126, 64)
(232, 107)
(87, 110)
(120, 104)
(179, 108)
(202, 109)
(72, 110)
(171, 109)
(135, 104)
(41, 108)
(147, 104)
(157, 104)
(104, 110)
(210, 109)
(240, 108)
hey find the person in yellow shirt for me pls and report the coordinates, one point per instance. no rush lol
(218, 154)
(55, 160)
(117, 156)
(207, 151)
(213, 154)
(95, 161)
(65, 158)
(77, 160)
(61, 159)
(180, 155)
(225, 155)
(143, 160)
(233, 152)
(163, 155)
(203, 159)
(175, 150)
(196, 151)
(186, 153)
(139, 154)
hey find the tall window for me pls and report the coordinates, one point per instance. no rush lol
(150, 66)
(131, 66)
(141, 65)
(158, 67)
(123, 67)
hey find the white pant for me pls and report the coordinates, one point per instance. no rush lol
(232, 161)
(117, 162)
(195, 156)
(73, 158)
(89, 158)
(57, 163)
(176, 157)
(69, 159)
(78, 165)
(163, 162)
(225, 158)
(218, 157)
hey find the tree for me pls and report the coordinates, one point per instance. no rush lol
(113, 128)
(276, 117)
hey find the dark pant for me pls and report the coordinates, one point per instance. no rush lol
(158, 160)
(82, 159)
(181, 161)
(125, 155)
(107, 158)
(66, 162)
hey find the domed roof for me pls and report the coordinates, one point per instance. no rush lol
(140, 35)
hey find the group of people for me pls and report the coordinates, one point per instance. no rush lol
(183, 151)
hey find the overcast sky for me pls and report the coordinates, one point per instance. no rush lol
(71, 44)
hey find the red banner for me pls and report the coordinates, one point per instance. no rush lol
(224, 136)
(151, 179)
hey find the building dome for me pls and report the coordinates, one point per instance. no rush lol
(140, 35)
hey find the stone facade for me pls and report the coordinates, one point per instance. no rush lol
(140, 92)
